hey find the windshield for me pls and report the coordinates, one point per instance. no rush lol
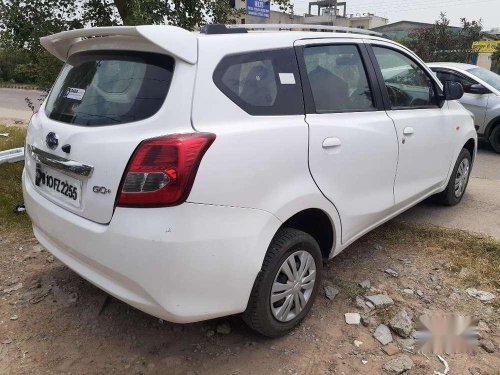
(487, 76)
(106, 88)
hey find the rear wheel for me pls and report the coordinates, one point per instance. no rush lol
(495, 138)
(459, 179)
(287, 284)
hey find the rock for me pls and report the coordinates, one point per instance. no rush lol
(370, 305)
(383, 334)
(475, 371)
(38, 248)
(7, 341)
(401, 324)
(407, 291)
(380, 300)
(480, 294)
(482, 326)
(408, 344)
(14, 288)
(331, 292)
(399, 364)
(488, 346)
(14, 317)
(224, 329)
(391, 349)
(358, 343)
(405, 260)
(352, 318)
(391, 272)
(420, 293)
(50, 259)
(366, 284)
(377, 246)
(364, 361)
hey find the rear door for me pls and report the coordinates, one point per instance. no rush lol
(353, 147)
(424, 127)
(101, 107)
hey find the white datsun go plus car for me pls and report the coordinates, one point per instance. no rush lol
(200, 175)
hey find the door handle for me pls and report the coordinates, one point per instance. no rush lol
(408, 130)
(331, 142)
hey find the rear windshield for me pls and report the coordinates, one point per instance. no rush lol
(110, 88)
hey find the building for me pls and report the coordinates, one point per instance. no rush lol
(402, 29)
(334, 13)
(326, 12)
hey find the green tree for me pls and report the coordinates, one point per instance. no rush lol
(444, 43)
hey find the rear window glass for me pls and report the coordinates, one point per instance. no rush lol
(262, 83)
(110, 88)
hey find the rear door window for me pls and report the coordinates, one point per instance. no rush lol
(338, 79)
(110, 88)
(262, 83)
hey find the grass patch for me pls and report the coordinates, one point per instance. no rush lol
(10, 183)
(477, 254)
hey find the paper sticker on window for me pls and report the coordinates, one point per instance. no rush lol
(287, 78)
(74, 93)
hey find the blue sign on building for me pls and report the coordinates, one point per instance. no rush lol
(259, 8)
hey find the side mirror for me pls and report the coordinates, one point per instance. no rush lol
(453, 90)
(477, 88)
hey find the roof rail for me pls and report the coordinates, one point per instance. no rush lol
(303, 27)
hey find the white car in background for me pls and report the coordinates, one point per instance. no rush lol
(481, 96)
(197, 175)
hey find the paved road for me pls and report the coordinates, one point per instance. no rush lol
(13, 106)
(479, 210)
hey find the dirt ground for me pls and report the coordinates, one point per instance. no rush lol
(54, 322)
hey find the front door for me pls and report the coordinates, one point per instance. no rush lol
(424, 128)
(353, 147)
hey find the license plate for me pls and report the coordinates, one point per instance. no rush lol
(59, 185)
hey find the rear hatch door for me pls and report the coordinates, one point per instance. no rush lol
(103, 104)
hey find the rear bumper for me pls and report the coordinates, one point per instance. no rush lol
(182, 264)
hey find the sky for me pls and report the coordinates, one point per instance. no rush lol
(422, 10)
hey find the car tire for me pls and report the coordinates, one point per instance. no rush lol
(277, 288)
(495, 138)
(459, 179)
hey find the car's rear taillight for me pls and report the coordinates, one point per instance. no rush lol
(162, 170)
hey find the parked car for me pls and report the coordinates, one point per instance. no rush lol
(198, 175)
(482, 96)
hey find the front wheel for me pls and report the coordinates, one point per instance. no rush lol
(495, 138)
(459, 179)
(287, 284)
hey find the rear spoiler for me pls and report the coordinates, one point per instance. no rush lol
(176, 41)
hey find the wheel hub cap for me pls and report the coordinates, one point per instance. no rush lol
(293, 286)
(461, 177)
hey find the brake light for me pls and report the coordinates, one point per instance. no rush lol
(161, 171)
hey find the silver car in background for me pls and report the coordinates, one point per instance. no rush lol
(481, 96)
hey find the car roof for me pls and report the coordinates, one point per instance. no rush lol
(286, 36)
(452, 65)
